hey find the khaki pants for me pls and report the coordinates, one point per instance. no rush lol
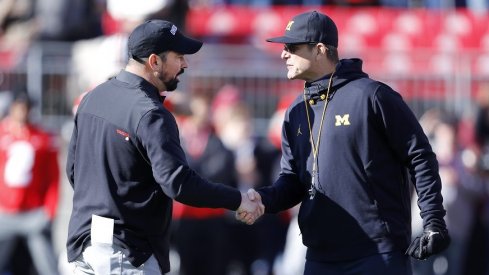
(101, 259)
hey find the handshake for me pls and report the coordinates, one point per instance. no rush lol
(251, 207)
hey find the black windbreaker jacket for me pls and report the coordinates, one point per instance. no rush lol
(125, 162)
(370, 143)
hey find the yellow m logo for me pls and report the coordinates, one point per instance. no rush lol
(342, 120)
(289, 25)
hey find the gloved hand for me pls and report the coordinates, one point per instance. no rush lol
(432, 241)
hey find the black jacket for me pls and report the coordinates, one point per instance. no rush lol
(125, 162)
(370, 141)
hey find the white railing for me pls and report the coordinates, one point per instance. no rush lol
(259, 75)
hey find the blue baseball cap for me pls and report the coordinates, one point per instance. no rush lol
(157, 36)
(309, 27)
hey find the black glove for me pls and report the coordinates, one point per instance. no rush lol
(432, 241)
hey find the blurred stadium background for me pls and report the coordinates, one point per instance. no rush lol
(433, 57)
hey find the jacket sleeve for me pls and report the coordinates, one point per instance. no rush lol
(408, 141)
(158, 134)
(288, 190)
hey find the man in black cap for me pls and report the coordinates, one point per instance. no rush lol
(126, 165)
(349, 144)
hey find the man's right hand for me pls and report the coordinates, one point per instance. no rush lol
(251, 207)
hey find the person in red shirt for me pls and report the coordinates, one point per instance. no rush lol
(29, 184)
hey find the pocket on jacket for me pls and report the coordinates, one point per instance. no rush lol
(325, 224)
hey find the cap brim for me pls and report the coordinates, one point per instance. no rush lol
(187, 45)
(286, 40)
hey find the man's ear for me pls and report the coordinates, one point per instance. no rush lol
(153, 60)
(321, 50)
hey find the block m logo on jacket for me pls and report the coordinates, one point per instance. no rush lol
(342, 120)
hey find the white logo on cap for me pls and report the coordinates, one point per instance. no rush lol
(173, 29)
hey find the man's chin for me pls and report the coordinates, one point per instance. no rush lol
(172, 86)
(292, 77)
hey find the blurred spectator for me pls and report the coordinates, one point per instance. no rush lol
(462, 190)
(29, 185)
(69, 20)
(276, 121)
(232, 122)
(12, 11)
(5, 99)
(226, 98)
(203, 226)
(129, 10)
(479, 246)
(20, 262)
(18, 26)
(174, 11)
(24, 21)
(256, 160)
(482, 117)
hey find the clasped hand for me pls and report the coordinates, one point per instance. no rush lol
(251, 207)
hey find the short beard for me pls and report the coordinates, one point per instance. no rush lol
(171, 85)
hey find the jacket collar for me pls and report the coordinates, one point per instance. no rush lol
(313, 90)
(136, 81)
(346, 71)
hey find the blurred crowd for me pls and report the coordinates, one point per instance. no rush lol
(25, 21)
(98, 29)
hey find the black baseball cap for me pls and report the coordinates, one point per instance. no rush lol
(309, 27)
(157, 36)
